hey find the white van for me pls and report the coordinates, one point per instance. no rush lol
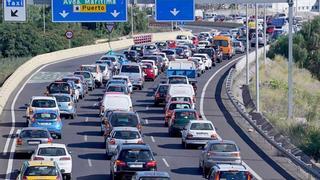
(180, 89)
(115, 101)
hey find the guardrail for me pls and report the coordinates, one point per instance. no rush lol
(289, 153)
(142, 39)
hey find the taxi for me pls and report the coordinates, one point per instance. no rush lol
(45, 170)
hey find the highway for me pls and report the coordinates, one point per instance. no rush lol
(82, 134)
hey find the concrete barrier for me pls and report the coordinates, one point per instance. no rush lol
(12, 83)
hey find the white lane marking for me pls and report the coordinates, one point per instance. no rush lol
(165, 162)
(85, 138)
(87, 119)
(89, 163)
(152, 139)
(5, 150)
(202, 111)
(147, 108)
(146, 121)
(13, 117)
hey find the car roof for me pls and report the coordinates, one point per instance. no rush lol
(120, 76)
(43, 97)
(201, 121)
(230, 167)
(116, 95)
(41, 163)
(135, 146)
(52, 145)
(82, 72)
(152, 174)
(179, 102)
(125, 129)
(131, 64)
(221, 141)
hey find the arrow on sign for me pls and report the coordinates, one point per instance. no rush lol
(64, 14)
(115, 13)
(174, 12)
(14, 13)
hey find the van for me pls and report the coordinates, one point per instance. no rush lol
(225, 44)
(135, 73)
(180, 89)
(115, 101)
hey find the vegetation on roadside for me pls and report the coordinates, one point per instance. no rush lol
(21, 40)
(304, 129)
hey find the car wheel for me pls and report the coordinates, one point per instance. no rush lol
(59, 136)
(156, 103)
(186, 145)
(68, 176)
(205, 171)
(72, 116)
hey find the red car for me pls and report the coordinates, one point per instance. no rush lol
(148, 71)
(195, 40)
(270, 29)
(172, 44)
(171, 106)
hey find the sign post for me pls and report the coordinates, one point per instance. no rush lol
(109, 27)
(69, 36)
(15, 10)
(175, 10)
(89, 11)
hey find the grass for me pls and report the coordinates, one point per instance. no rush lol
(305, 127)
(8, 66)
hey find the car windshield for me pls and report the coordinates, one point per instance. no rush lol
(105, 58)
(236, 44)
(178, 80)
(34, 134)
(52, 151)
(182, 37)
(135, 155)
(168, 52)
(130, 69)
(123, 119)
(222, 43)
(136, 48)
(126, 135)
(41, 171)
(238, 175)
(185, 115)
(179, 106)
(85, 74)
(62, 98)
(223, 147)
(45, 116)
(179, 50)
(59, 87)
(116, 89)
(88, 68)
(201, 126)
(43, 103)
(102, 67)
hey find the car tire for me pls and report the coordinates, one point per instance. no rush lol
(68, 176)
(205, 172)
(72, 116)
(59, 136)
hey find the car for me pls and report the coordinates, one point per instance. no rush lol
(126, 79)
(129, 158)
(40, 102)
(119, 88)
(260, 39)
(112, 68)
(30, 137)
(49, 119)
(203, 44)
(158, 59)
(59, 86)
(117, 81)
(106, 72)
(177, 79)
(154, 65)
(67, 106)
(135, 74)
(75, 90)
(229, 171)
(121, 135)
(95, 71)
(170, 53)
(201, 68)
(132, 55)
(180, 89)
(161, 45)
(207, 60)
(138, 49)
(57, 153)
(151, 175)
(88, 78)
(164, 57)
(83, 82)
(171, 106)
(184, 39)
(40, 170)
(238, 47)
(198, 133)
(79, 89)
(172, 44)
(218, 151)
(121, 57)
(211, 53)
(150, 49)
(115, 101)
(118, 118)
(160, 94)
(111, 59)
(179, 118)
(149, 71)
(180, 53)
(183, 98)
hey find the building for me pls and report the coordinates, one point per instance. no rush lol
(299, 6)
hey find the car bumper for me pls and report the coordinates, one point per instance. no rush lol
(25, 149)
(214, 161)
(200, 141)
(66, 166)
(67, 111)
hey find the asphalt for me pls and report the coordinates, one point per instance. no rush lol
(86, 144)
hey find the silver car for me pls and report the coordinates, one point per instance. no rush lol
(88, 77)
(66, 105)
(77, 83)
(121, 135)
(135, 73)
(238, 47)
(218, 151)
(29, 138)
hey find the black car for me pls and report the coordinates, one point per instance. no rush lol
(130, 158)
(131, 55)
(138, 48)
(160, 94)
(60, 87)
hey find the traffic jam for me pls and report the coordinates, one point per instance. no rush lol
(178, 63)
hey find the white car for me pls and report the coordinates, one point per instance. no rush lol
(41, 102)
(125, 78)
(95, 71)
(115, 101)
(183, 39)
(106, 73)
(207, 60)
(165, 58)
(206, 34)
(202, 66)
(198, 132)
(203, 44)
(120, 135)
(55, 152)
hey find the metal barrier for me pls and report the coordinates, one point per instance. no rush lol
(141, 39)
(271, 139)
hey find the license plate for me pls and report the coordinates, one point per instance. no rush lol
(136, 166)
(45, 124)
(33, 142)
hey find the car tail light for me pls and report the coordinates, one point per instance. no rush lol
(50, 140)
(140, 142)
(152, 164)
(214, 136)
(157, 95)
(237, 154)
(19, 141)
(24, 178)
(189, 136)
(30, 110)
(65, 159)
(36, 158)
(120, 163)
(139, 127)
(112, 141)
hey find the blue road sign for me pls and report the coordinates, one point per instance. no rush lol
(89, 10)
(175, 10)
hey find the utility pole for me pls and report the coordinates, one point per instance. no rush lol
(265, 35)
(290, 63)
(132, 18)
(44, 18)
(247, 45)
(257, 62)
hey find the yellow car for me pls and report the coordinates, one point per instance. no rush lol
(36, 170)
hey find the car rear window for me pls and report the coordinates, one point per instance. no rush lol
(45, 103)
(52, 151)
(45, 116)
(223, 147)
(185, 115)
(130, 69)
(135, 155)
(201, 126)
(154, 178)
(169, 52)
(102, 67)
(59, 88)
(41, 171)
(181, 99)
(34, 134)
(239, 175)
(116, 89)
(178, 80)
(63, 98)
(108, 58)
(129, 120)
(88, 68)
(151, 47)
(179, 106)
(85, 74)
(126, 135)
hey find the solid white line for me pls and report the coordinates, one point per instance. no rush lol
(147, 108)
(89, 163)
(202, 102)
(152, 139)
(165, 162)
(85, 138)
